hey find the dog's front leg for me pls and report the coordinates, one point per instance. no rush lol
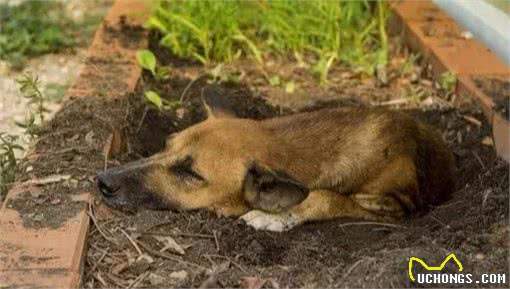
(276, 222)
(319, 205)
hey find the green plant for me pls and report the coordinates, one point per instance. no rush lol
(8, 160)
(409, 65)
(324, 31)
(218, 74)
(29, 88)
(147, 60)
(33, 28)
(275, 80)
(160, 103)
(447, 81)
(416, 94)
(321, 69)
(154, 98)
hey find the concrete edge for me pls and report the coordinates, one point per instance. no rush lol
(54, 257)
(444, 44)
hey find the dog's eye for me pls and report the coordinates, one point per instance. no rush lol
(184, 169)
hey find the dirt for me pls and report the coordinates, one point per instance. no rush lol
(340, 253)
(47, 208)
(129, 250)
(498, 90)
(221, 252)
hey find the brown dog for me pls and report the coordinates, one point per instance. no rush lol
(350, 162)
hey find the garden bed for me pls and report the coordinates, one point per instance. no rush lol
(97, 131)
(222, 252)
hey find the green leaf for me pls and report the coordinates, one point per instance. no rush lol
(155, 23)
(275, 80)
(154, 98)
(290, 87)
(447, 81)
(147, 60)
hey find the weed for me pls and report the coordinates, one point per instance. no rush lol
(416, 94)
(147, 60)
(160, 103)
(447, 81)
(324, 31)
(290, 87)
(409, 66)
(8, 161)
(219, 75)
(275, 81)
(29, 88)
(154, 98)
(31, 29)
(321, 69)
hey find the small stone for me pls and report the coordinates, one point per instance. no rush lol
(29, 169)
(179, 275)
(346, 75)
(488, 141)
(426, 82)
(35, 193)
(89, 138)
(108, 260)
(75, 137)
(414, 78)
(55, 201)
(139, 266)
(73, 183)
(381, 74)
(179, 113)
(37, 217)
(479, 256)
(155, 279)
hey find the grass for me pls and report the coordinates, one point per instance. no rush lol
(29, 88)
(37, 27)
(32, 28)
(321, 32)
(447, 81)
(8, 161)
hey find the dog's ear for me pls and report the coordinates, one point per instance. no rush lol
(216, 103)
(271, 191)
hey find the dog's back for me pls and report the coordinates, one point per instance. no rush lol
(344, 150)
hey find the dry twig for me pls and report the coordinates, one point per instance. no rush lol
(92, 216)
(371, 223)
(132, 242)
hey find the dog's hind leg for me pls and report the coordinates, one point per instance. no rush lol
(391, 192)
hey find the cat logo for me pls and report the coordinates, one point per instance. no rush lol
(433, 268)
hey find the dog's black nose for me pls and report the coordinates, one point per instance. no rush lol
(105, 186)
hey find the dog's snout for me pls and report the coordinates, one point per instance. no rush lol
(105, 186)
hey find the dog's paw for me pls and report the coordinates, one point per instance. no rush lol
(270, 222)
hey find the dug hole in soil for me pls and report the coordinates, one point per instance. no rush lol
(193, 249)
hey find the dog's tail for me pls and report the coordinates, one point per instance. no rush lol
(435, 168)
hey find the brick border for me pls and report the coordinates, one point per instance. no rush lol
(53, 257)
(427, 29)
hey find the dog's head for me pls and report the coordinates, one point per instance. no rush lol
(219, 164)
